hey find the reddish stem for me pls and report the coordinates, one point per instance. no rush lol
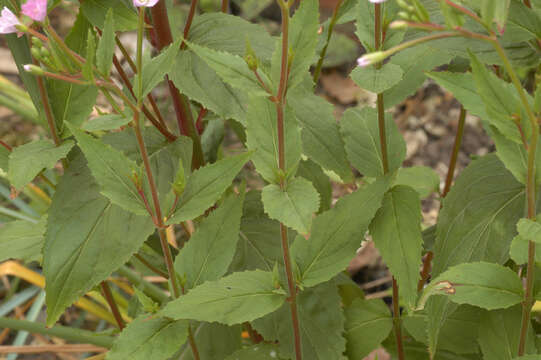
(225, 6)
(189, 21)
(112, 304)
(454, 154)
(199, 123)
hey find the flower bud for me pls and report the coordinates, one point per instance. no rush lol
(398, 24)
(36, 53)
(371, 58)
(33, 69)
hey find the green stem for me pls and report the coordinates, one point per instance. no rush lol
(456, 149)
(63, 332)
(154, 292)
(531, 196)
(332, 23)
(378, 33)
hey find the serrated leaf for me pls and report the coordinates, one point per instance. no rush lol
(22, 240)
(321, 140)
(337, 233)
(149, 338)
(155, 70)
(257, 247)
(313, 173)
(501, 103)
(214, 341)
(499, 334)
(256, 352)
(495, 11)
(206, 185)
(293, 206)
(232, 69)
(368, 323)
(95, 11)
(483, 284)
(396, 231)
(262, 136)
(377, 80)
(422, 179)
(302, 42)
(234, 299)
(191, 73)
(414, 62)
(71, 102)
(113, 171)
(106, 46)
(106, 122)
(361, 134)
(478, 217)
(210, 250)
(85, 231)
(529, 229)
(28, 160)
(459, 333)
(321, 325)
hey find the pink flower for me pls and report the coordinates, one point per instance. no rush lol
(377, 1)
(371, 58)
(146, 3)
(35, 9)
(8, 22)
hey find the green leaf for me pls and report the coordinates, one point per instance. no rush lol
(232, 69)
(337, 234)
(155, 70)
(22, 240)
(191, 73)
(519, 250)
(421, 178)
(28, 160)
(206, 185)
(414, 62)
(321, 325)
(106, 122)
(321, 140)
(113, 171)
(293, 206)
(313, 173)
(4, 161)
(368, 323)
(529, 229)
(96, 11)
(85, 231)
(396, 231)
(365, 23)
(459, 333)
(360, 130)
(500, 101)
(256, 352)
(149, 338)
(234, 299)
(211, 248)
(377, 80)
(525, 18)
(257, 247)
(71, 102)
(302, 42)
(499, 334)
(479, 217)
(483, 284)
(463, 88)
(213, 30)
(214, 341)
(495, 11)
(262, 136)
(106, 46)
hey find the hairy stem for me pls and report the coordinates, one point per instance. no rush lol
(332, 23)
(378, 32)
(63, 332)
(112, 304)
(454, 154)
(531, 195)
(182, 110)
(280, 105)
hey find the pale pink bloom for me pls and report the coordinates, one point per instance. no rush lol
(371, 58)
(35, 9)
(377, 1)
(146, 3)
(8, 22)
(27, 67)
